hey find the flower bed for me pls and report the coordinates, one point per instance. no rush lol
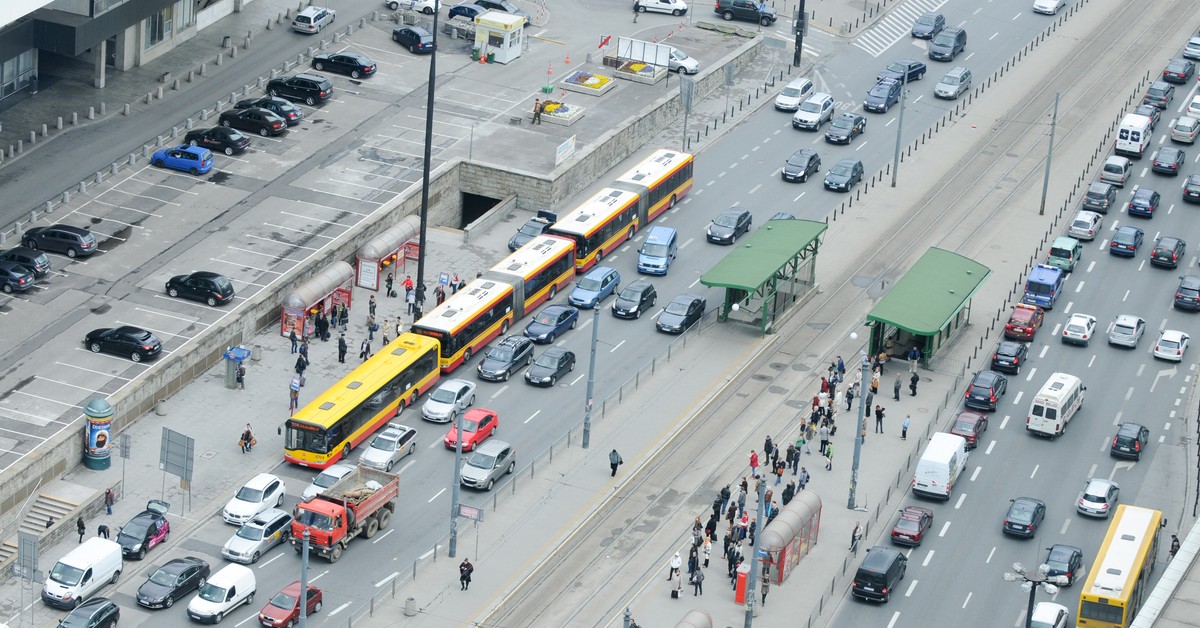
(585, 82)
(561, 113)
(641, 72)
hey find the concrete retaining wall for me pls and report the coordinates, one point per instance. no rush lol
(484, 223)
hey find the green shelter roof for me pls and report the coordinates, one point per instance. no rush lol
(931, 293)
(757, 258)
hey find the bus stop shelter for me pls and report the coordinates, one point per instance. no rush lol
(768, 272)
(927, 305)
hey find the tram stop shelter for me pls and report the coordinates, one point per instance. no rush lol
(384, 253)
(319, 295)
(927, 305)
(768, 272)
(790, 536)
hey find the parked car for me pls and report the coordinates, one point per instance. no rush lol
(503, 6)
(313, 19)
(392, 445)
(145, 530)
(312, 89)
(416, 39)
(674, 7)
(265, 530)
(681, 313)
(15, 278)
(505, 357)
(204, 286)
(281, 107)
(597, 285)
(134, 342)
(728, 225)
(478, 425)
(218, 138)
(424, 6)
(186, 158)
(747, 10)
(66, 239)
(448, 400)
(260, 121)
(35, 262)
(552, 322)
(175, 579)
(284, 607)
(552, 364)
(353, 63)
(467, 10)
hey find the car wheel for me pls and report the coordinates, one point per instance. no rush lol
(553, 293)
(599, 256)
(229, 151)
(30, 244)
(192, 143)
(272, 93)
(553, 380)
(471, 401)
(550, 339)
(135, 356)
(676, 12)
(489, 485)
(504, 327)
(310, 101)
(167, 603)
(395, 38)
(8, 288)
(506, 376)
(355, 74)
(529, 360)
(345, 455)
(255, 557)
(571, 369)
(393, 5)
(920, 76)
(412, 48)
(733, 239)
(641, 9)
(637, 314)
(95, 347)
(141, 553)
(574, 322)
(804, 177)
(264, 132)
(318, 66)
(317, 607)
(158, 163)
(728, 15)
(212, 302)
(200, 583)
(195, 171)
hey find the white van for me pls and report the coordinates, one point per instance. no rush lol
(81, 573)
(225, 590)
(1134, 135)
(793, 94)
(938, 469)
(1054, 405)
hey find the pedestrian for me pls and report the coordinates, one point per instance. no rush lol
(752, 529)
(693, 560)
(914, 356)
(364, 351)
(725, 495)
(241, 378)
(863, 435)
(789, 492)
(342, 348)
(753, 463)
(322, 327)
(677, 586)
(673, 566)
(371, 306)
(399, 326)
(537, 117)
(867, 401)
(841, 367)
(710, 529)
(707, 547)
(407, 284)
(81, 528)
(768, 448)
(829, 457)
(741, 500)
(780, 466)
(875, 382)
(1174, 546)
(372, 327)
(454, 281)
(388, 283)
(344, 315)
(309, 328)
(896, 387)
(849, 396)
(49, 522)
(824, 385)
(301, 365)
(904, 427)
(293, 400)
(248, 441)
(387, 327)
(697, 583)
(810, 433)
(878, 419)
(854, 537)
(294, 339)
(912, 383)
(823, 435)
(411, 299)
(109, 499)
(102, 530)
(615, 460)
(465, 569)
(793, 453)
(637, 8)
(881, 360)
(766, 586)
(439, 293)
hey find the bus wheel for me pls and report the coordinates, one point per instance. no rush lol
(599, 256)
(504, 327)
(346, 451)
(672, 204)
(413, 401)
(553, 292)
(630, 235)
(467, 354)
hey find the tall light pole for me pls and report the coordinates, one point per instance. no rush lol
(1049, 156)
(457, 480)
(1031, 581)
(304, 579)
(759, 524)
(424, 214)
(851, 502)
(587, 409)
(899, 127)
(801, 26)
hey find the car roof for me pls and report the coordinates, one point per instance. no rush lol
(493, 446)
(455, 383)
(685, 298)
(1099, 484)
(1081, 316)
(736, 210)
(1129, 428)
(1098, 186)
(1189, 281)
(555, 351)
(479, 413)
(640, 284)
(1128, 319)
(557, 307)
(1123, 229)
(848, 116)
(1063, 547)
(261, 480)
(1168, 240)
(818, 97)
(986, 376)
(1171, 334)
(600, 271)
(267, 516)
(848, 162)
(1027, 502)
(1011, 345)
(1087, 214)
(513, 341)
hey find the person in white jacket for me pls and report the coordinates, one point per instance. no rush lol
(676, 563)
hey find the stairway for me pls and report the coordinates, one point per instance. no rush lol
(44, 507)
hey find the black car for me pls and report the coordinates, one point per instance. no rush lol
(72, 241)
(903, 71)
(845, 127)
(1024, 516)
(1167, 252)
(1159, 94)
(260, 121)
(1187, 295)
(844, 175)
(278, 106)
(928, 25)
(532, 228)
(730, 224)
(510, 354)
(218, 138)
(15, 278)
(134, 342)
(415, 38)
(1191, 189)
(800, 165)
(552, 364)
(356, 64)
(146, 530)
(1178, 71)
(1064, 560)
(210, 288)
(467, 10)
(1168, 160)
(1130, 441)
(98, 612)
(881, 97)
(1100, 196)
(36, 261)
(748, 10)
(985, 390)
(1009, 356)
(503, 5)
(313, 89)
(172, 581)
(635, 299)
(681, 313)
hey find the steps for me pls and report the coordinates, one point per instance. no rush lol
(44, 507)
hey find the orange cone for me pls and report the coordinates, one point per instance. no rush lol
(483, 58)
(568, 61)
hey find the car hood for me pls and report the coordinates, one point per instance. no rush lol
(153, 591)
(475, 473)
(310, 491)
(372, 456)
(889, 74)
(431, 406)
(793, 168)
(666, 318)
(625, 304)
(238, 545)
(716, 229)
(837, 178)
(922, 30)
(538, 372)
(582, 294)
(239, 508)
(495, 366)
(538, 329)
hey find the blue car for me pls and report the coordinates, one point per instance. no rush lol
(468, 10)
(550, 322)
(600, 282)
(881, 97)
(186, 158)
(1125, 241)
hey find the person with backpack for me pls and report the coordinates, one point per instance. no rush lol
(614, 461)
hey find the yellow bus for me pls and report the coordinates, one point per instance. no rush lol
(537, 271)
(599, 225)
(326, 429)
(468, 320)
(1119, 580)
(660, 181)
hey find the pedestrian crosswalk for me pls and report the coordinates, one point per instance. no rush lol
(896, 25)
(816, 43)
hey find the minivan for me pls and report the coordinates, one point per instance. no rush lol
(1065, 253)
(658, 251)
(1116, 170)
(947, 44)
(488, 463)
(225, 590)
(82, 572)
(879, 573)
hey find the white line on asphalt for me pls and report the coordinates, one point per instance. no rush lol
(895, 618)
(1035, 470)
(925, 563)
(576, 380)
(990, 554)
(958, 504)
(1057, 327)
(693, 284)
(889, 122)
(1017, 399)
(912, 585)
(798, 197)
(435, 496)
(339, 609)
(382, 536)
(406, 466)
(430, 552)
(989, 447)
(1004, 422)
(283, 243)
(1066, 524)
(755, 188)
(625, 248)
(264, 564)
(1117, 419)
(945, 527)
(388, 579)
(993, 35)
(1067, 310)
(968, 600)
(616, 347)
(533, 415)
(497, 393)
(660, 311)
(974, 474)
(1091, 266)
(1079, 287)
(1091, 361)
(1029, 378)
(250, 618)
(860, 146)
(1103, 447)
(1092, 471)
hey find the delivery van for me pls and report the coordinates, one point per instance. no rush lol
(1133, 137)
(80, 574)
(1054, 405)
(658, 251)
(225, 590)
(1044, 286)
(1065, 253)
(943, 461)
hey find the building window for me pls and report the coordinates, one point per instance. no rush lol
(158, 27)
(16, 73)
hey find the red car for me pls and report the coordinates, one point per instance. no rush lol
(284, 608)
(1024, 322)
(971, 426)
(912, 525)
(478, 425)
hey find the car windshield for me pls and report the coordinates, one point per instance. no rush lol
(944, 39)
(283, 600)
(252, 495)
(1095, 499)
(548, 361)
(1168, 344)
(387, 443)
(799, 159)
(727, 220)
(1126, 330)
(66, 574)
(1157, 92)
(631, 294)
(531, 228)
(550, 318)
(135, 530)
(163, 578)
(443, 395)
(1059, 252)
(898, 68)
(482, 460)
(1076, 328)
(811, 107)
(880, 90)
(1176, 65)
(677, 307)
(655, 250)
(790, 92)
(212, 593)
(1082, 223)
(841, 169)
(1123, 237)
(253, 533)
(842, 124)
(469, 425)
(503, 354)
(926, 20)
(950, 79)
(907, 525)
(587, 283)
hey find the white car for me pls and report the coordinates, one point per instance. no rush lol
(1048, 7)
(448, 400)
(1086, 225)
(389, 447)
(1079, 329)
(813, 112)
(260, 493)
(1185, 129)
(1193, 108)
(1192, 49)
(674, 7)
(1171, 345)
(793, 94)
(1050, 615)
(1099, 498)
(424, 6)
(325, 479)
(268, 529)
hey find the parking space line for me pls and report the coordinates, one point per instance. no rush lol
(377, 161)
(403, 139)
(41, 438)
(372, 174)
(191, 320)
(241, 265)
(80, 368)
(102, 218)
(115, 189)
(308, 233)
(283, 243)
(337, 209)
(353, 198)
(34, 417)
(70, 385)
(282, 259)
(392, 150)
(436, 121)
(140, 211)
(422, 131)
(160, 185)
(369, 187)
(471, 106)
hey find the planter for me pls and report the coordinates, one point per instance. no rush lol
(562, 114)
(640, 72)
(585, 82)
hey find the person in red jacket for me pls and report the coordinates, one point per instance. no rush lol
(753, 463)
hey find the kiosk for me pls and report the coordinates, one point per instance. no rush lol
(498, 35)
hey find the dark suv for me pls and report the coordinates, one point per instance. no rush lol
(71, 241)
(635, 299)
(1187, 295)
(747, 10)
(1130, 441)
(985, 390)
(99, 612)
(35, 261)
(310, 88)
(511, 353)
(1159, 94)
(1100, 196)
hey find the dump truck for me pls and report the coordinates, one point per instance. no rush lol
(362, 502)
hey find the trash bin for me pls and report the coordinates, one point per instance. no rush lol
(475, 54)
(743, 579)
(160, 407)
(491, 57)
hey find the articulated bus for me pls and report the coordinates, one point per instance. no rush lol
(1119, 580)
(599, 226)
(661, 180)
(468, 320)
(537, 271)
(326, 429)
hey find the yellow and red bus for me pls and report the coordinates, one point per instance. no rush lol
(327, 428)
(661, 180)
(1119, 580)
(599, 225)
(537, 271)
(468, 320)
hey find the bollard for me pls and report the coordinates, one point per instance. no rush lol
(203, 70)
(299, 59)
(274, 72)
(99, 177)
(246, 43)
(362, 22)
(204, 114)
(91, 113)
(307, 52)
(175, 85)
(374, 16)
(232, 97)
(32, 138)
(349, 30)
(174, 132)
(217, 109)
(82, 187)
(191, 76)
(324, 44)
(337, 37)
(66, 197)
(233, 52)
(159, 92)
(149, 97)
(132, 159)
(245, 90)
(268, 23)
(46, 130)
(259, 82)
(59, 124)
(220, 58)
(158, 141)
(111, 169)
(74, 118)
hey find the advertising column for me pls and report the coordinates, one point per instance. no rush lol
(97, 435)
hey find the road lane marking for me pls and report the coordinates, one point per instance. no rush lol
(958, 504)
(1029, 378)
(968, 600)
(435, 496)
(339, 609)
(497, 393)
(989, 449)
(895, 618)
(945, 527)
(576, 380)
(616, 347)
(1066, 524)
(912, 585)
(532, 416)
(1017, 399)
(974, 475)
(1035, 470)
(1002, 424)
(990, 554)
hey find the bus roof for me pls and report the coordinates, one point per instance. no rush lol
(658, 166)
(1124, 547)
(534, 256)
(594, 212)
(463, 305)
(349, 392)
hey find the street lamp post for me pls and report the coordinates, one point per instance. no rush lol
(1031, 581)
(428, 156)
(591, 383)
(862, 409)
(899, 127)
(455, 494)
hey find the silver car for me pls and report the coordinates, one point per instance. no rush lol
(266, 530)
(488, 463)
(389, 446)
(1185, 129)
(956, 82)
(325, 479)
(1126, 330)
(1116, 170)
(1099, 498)
(448, 400)
(1085, 226)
